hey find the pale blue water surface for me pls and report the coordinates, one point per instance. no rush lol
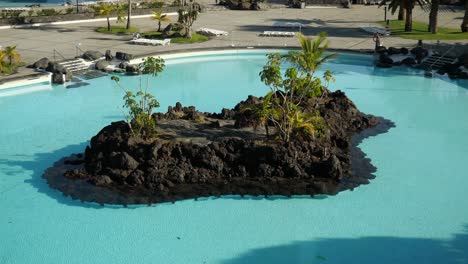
(415, 211)
(22, 3)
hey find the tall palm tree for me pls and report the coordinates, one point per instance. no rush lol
(105, 9)
(433, 16)
(405, 8)
(464, 25)
(160, 18)
(11, 54)
(401, 13)
(401, 9)
(121, 15)
(129, 13)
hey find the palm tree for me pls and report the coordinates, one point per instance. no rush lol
(401, 13)
(2, 57)
(464, 25)
(261, 113)
(129, 13)
(312, 54)
(433, 16)
(401, 9)
(160, 18)
(121, 16)
(106, 9)
(405, 8)
(11, 54)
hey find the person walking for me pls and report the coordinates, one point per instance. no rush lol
(377, 41)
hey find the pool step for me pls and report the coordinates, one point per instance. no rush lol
(89, 74)
(75, 65)
(436, 61)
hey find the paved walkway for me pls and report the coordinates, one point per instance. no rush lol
(341, 24)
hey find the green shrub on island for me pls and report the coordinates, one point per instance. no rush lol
(140, 105)
(291, 105)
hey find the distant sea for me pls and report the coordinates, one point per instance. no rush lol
(23, 3)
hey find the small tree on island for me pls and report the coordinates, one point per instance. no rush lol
(188, 15)
(140, 105)
(291, 105)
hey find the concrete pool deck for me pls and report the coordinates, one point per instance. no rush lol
(342, 26)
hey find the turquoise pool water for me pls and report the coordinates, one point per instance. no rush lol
(415, 211)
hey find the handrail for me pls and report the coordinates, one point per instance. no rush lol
(57, 52)
(441, 57)
(79, 49)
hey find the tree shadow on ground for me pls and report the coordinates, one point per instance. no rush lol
(366, 250)
(348, 32)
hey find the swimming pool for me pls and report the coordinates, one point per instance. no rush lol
(413, 212)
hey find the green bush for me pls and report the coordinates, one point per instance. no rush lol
(47, 12)
(10, 13)
(295, 93)
(140, 105)
(155, 4)
(69, 10)
(176, 3)
(117, 30)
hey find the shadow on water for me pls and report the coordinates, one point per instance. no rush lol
(366, 250)
(41, 162)
(38, 164)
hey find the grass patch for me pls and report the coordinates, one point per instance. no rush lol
(420, 31)
(196, 38)
(117, 30)
(8, 69)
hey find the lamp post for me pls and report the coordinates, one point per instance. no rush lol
(385, 13)
(77, 46)
(77, 8)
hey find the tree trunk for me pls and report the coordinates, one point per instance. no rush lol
(159, 26)
(129, 13)
(108, 24)
(433, 16)
(409, 20)
(10, 58)
(401, 13)
(189, 33)
(464, 25)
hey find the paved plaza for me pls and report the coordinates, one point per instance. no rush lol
(342, 26)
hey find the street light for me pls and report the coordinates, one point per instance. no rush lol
(385, 16)
(77, 46)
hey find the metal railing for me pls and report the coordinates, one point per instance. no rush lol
(78, 50)
(56, 52)
(441, 57)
